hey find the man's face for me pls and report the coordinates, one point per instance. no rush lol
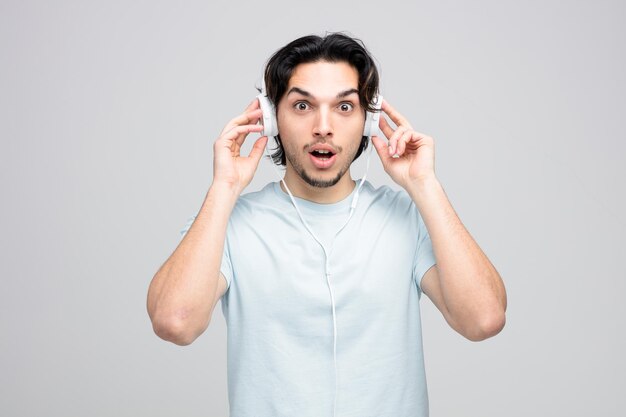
(320, 121)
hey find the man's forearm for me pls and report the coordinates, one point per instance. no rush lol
(472, 289)
(181, 293)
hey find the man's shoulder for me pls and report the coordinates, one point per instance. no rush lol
(265, 194)
(258, 201)
(386, 195)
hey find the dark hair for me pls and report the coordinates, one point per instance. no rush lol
(333, 47)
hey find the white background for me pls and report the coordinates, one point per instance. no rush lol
(108, 111)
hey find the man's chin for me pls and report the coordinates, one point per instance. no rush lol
(320, 182)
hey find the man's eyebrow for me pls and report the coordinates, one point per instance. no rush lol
(299, 91)
(347, 92)
(305, 93)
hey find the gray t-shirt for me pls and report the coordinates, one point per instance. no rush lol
(279, 314)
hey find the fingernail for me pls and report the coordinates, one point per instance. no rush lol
(396, 156)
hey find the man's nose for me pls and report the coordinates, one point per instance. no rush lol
(323, 125)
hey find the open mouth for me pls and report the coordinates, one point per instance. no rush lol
(322, 158)
(322, 154)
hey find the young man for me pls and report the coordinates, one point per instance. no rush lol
(321, 291)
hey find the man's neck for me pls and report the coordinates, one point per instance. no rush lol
(321, 195)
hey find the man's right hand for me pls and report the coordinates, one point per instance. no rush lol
(229, 167)
(179, 291)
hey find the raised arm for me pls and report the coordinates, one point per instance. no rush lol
(185, 289)
(464, 285)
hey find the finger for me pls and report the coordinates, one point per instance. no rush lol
(393, 140)
(238, 133)
(254, 104)
(385, 127)
(243, 135)
(381, 150)
(395, 116)
(406, 137)
(249, 117)
(234, 138)
(257, 150)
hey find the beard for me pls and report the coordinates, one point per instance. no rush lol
(314, 182)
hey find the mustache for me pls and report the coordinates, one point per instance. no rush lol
(336, 149)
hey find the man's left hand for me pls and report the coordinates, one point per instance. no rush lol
(409, 158)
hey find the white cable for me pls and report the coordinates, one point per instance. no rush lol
(327, 255)
(367, 167)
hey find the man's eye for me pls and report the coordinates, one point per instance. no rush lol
(301, 106)
(345, 107)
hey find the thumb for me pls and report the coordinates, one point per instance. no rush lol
(257, 150)
(382, 149)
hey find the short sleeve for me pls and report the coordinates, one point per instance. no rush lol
(424, 254)
(185, 229)
(226, 267)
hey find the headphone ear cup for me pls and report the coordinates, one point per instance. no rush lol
(372, 118)
(270, 127)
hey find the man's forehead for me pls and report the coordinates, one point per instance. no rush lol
(324, 78)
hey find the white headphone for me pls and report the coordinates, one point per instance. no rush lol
(270, 125)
